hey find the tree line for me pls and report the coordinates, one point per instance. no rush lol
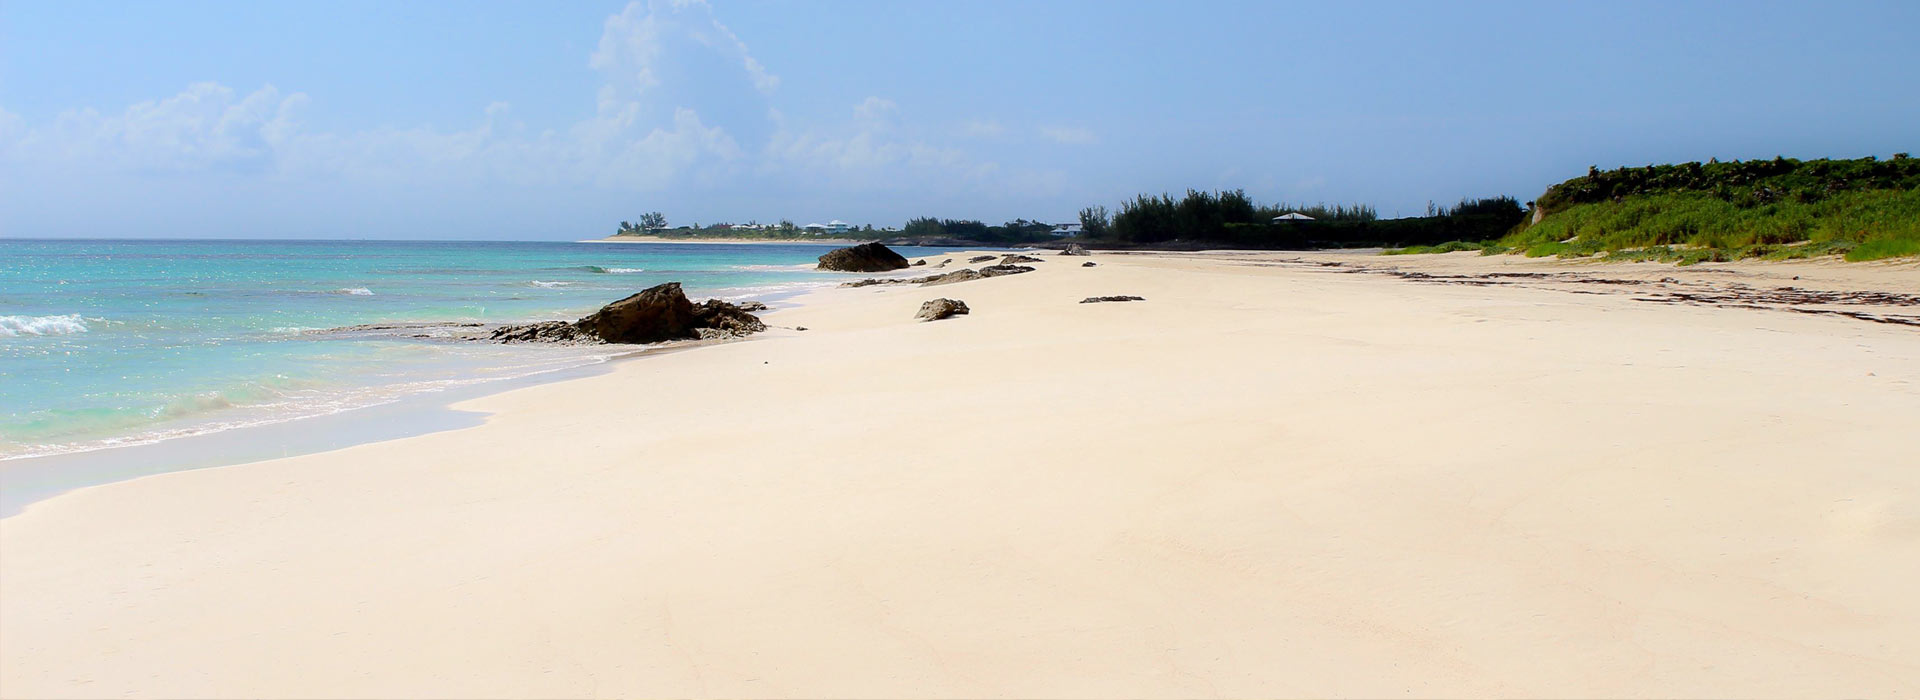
(1231, 217)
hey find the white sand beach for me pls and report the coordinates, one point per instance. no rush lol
(1270, 478)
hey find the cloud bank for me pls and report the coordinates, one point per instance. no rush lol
(683, 105)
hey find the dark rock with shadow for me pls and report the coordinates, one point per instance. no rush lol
(979, 259)
(949, 278)
(1074, 249)
(657, 314)
(1016, 259)
(866, 257)
(941, 308)
(1000, 270)
(1088, 263)
(715, 319)
(1096, 300)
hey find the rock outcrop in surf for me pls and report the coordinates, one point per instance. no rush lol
(658, 314)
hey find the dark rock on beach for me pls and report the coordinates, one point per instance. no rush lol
(1014, 259)
(1074, 249)
(941, 308)
(1088, 263)
(979, 259)
(660, 313)
(949, 278)
(714, 318)
(998, 270)
(657, 314)
(1096, 300)
(751, 306)
(918, 263)
(866, 257)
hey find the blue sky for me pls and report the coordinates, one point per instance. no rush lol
(524, 120)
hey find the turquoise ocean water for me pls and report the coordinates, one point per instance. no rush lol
(108, 343)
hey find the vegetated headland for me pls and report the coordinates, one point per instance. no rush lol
(1862, 209)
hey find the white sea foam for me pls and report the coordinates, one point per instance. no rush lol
(550, 285)
(624, 270)
(15, 326)
(355, 291)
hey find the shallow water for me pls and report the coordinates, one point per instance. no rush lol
(109, 343)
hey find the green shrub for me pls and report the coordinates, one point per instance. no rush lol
(1880, 248)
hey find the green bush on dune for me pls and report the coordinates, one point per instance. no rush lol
(1725, 211)
(1864, 209)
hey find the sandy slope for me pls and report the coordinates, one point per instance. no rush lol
(1267, 479)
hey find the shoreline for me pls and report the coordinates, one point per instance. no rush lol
(29, 479)
(1586, 493)
(727, 241)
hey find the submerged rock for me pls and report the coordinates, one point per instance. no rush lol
(941, 308)
(1096, 300)
(866, 257)
(542, 332)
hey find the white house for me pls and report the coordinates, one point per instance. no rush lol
(1066, 229)
(815, 229)
(1292, 216)
(837, 227)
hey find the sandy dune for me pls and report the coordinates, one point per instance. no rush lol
(1270, 478)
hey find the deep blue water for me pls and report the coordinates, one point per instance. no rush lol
(105, 343)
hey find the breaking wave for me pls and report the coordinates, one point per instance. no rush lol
(354, 291)
(15, 326)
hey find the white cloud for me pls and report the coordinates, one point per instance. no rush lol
(1071, 135)
(986, 129)
(634, 43)
(643, 134)
(875, 109)
(204, 127)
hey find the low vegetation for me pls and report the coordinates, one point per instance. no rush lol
(1862, 209)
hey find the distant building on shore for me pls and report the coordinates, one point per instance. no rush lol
(1291, 216)
(835, 227)
(1072, 229)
